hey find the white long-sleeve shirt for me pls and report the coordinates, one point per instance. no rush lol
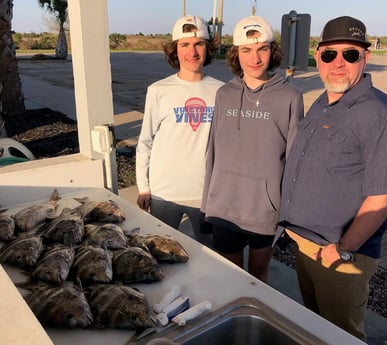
(170, 155)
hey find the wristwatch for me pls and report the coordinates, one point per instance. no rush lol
(345, 255)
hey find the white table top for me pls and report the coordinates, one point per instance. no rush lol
(206, 276)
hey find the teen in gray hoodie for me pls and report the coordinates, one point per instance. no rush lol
(255, 121)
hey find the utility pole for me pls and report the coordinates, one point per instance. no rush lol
(254, 7)
(183, 8)
(214, 19)
(220, 23)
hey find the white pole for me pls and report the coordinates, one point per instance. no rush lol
(214, 18)
(220, 12)
(183, 8)
(93, 84)
(214, 13)
(220, 23)
(253, 10)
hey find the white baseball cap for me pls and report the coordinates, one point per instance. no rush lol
(202, 30)
(254, 23)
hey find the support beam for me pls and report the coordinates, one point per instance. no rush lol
(92, 80)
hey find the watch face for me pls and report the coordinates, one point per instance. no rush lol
(345, 256)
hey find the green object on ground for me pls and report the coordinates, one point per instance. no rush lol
(12, 160)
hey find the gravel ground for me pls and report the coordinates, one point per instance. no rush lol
(49, 133)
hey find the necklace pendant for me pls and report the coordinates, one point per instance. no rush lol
(257, 103)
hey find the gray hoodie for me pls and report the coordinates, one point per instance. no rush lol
(250, 137)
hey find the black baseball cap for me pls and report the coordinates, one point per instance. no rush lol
(344, 29)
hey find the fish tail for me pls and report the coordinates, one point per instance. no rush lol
(82, 200)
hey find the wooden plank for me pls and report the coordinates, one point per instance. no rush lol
(18, 325)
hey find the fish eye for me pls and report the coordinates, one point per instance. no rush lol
(69, 316)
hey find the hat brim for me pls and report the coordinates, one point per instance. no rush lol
(346, 39)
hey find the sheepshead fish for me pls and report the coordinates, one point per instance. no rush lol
(23, 251)
(92, 265)
(60, 306)
(119, 306)
(134, 264)
(30, 217)
(7, 227)
(108, 235)
(66, 228)
(54, 265)
(163, 247)
(99, 211)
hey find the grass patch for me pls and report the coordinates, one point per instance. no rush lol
(34, 51)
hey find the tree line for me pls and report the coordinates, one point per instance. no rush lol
(118, 41)
(11, 96)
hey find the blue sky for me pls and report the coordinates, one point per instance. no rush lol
(146, 16)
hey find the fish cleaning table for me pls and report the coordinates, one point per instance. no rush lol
(206, 276)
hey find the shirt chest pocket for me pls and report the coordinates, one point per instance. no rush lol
(330, 134)
(338, 149)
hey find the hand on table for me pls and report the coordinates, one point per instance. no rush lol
(144, 201)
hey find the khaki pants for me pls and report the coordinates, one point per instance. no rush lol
(337, 293)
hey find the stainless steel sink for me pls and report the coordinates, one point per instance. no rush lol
(245, 321)
(238, 329)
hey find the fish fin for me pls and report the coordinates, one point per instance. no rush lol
(26, 285)
(66, 210)
(82, 200)
(54, 198)
(132, 232)
(97, 326)
(78, 283)
(39, 229)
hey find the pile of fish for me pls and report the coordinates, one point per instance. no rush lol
(80, 263)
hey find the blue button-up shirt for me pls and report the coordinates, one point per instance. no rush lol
(339, 157)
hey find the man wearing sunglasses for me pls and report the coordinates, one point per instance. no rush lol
(334, 198)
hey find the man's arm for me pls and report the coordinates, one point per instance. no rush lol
(144, 149)
(371, 215)
(144, 201)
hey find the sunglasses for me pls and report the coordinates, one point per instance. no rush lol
(351, 55)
